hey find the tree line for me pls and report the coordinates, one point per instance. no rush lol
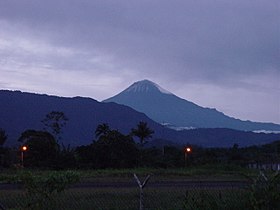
(112, 149)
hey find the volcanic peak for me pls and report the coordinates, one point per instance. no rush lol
(146, 86)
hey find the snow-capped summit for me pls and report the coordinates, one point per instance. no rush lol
(146, 86)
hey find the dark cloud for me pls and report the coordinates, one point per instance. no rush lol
(227, 44)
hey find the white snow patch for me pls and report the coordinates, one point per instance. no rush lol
(145, 86)
(162, 90)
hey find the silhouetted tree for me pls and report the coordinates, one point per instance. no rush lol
(114, 150)
(54, 122)
(173, 157)
(102, 130)
(85, 156)
(66, 158)
(143, 132)
(3, 137)
(42, 148)
(235, 155)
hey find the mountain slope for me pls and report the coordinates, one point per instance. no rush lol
(165, 107)
(20, 111)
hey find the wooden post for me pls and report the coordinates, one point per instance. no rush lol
(22, 158)
(141, 187)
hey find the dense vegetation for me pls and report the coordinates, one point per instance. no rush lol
(112, 149)
(116, 150)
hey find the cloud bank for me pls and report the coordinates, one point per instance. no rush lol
(222, 54)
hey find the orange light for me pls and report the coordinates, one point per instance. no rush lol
(24, 148)
(188, 150)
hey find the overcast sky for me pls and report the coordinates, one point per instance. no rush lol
(222, 54)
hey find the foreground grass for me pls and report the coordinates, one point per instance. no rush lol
(155, 198)
(128, 199)
(206, 172)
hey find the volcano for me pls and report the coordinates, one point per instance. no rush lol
(166, 108)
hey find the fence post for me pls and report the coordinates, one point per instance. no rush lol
(141, 187)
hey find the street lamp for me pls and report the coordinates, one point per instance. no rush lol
(187, 151)
(23, 149)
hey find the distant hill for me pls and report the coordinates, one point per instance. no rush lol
(20, 111)
(165, 107)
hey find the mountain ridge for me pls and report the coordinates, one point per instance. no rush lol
(20, 111)
(179, 112)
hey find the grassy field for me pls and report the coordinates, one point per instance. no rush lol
(127, 198)
(205, 172)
